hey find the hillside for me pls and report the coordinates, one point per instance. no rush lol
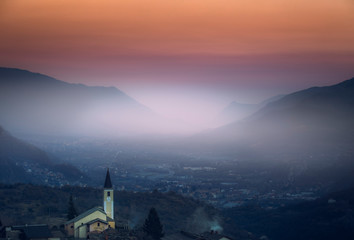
(23, 162)
(307, 136)
(330, 217)
(38, 104)
(23, 203)
(325, 111)
(314, 120)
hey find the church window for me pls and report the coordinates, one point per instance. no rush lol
(108, 194)
(98, 224)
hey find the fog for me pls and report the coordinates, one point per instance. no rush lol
(315, 119)
(37, 104)
(293, 148)
(69, 114)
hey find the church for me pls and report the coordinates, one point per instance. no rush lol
(96, 219)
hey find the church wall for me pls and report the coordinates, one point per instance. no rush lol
(112, 224)
(82, 231)
(95, 227)
(70, 229)
(92, 216)
(83, 221)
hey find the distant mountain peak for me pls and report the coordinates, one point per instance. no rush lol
(41, 104)
(315, 119)
(236, 111)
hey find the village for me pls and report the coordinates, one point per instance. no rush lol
(100, 223)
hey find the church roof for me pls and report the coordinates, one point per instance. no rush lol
(110, 219)
(97, 220)
(107, 182)
(88, 212)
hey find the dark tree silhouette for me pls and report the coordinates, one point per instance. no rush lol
(152, 226)
(71, 209)
(2, 230)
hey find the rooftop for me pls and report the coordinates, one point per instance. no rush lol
(107, 182)
(88, 212)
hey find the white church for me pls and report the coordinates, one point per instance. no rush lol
(96, 219)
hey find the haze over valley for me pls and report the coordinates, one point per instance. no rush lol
(289, 149)
(305, 136)
(203, 119)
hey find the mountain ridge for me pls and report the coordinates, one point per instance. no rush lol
(317, 119)
(338, 99)
(24, 76)
(39, 104)
(237, 111)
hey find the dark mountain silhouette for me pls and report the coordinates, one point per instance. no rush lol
(330, 107)
(310, 119)
(35, 103)
(23, 162)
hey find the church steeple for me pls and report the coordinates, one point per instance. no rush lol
(108, 196)
(107, 182)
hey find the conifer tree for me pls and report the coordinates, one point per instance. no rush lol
(71, 209)
(152, 226)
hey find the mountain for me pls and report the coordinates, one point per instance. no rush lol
(237, 111)
(315, 117)
(307, 136)
(38, 104)
(23, 162)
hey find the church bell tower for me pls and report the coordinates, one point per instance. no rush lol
(108, 198)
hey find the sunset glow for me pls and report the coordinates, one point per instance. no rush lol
(242, 50)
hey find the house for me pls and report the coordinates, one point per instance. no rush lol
(97, 219)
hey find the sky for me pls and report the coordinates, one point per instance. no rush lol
(184, 59)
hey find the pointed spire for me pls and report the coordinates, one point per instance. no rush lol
(107, 182)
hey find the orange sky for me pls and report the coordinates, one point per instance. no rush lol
(229, 27)
(270, 45)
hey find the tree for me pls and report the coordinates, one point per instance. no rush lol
(152, 226)
(71, 209)
(2, 231)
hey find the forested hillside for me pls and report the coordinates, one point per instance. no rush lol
(24, 203)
